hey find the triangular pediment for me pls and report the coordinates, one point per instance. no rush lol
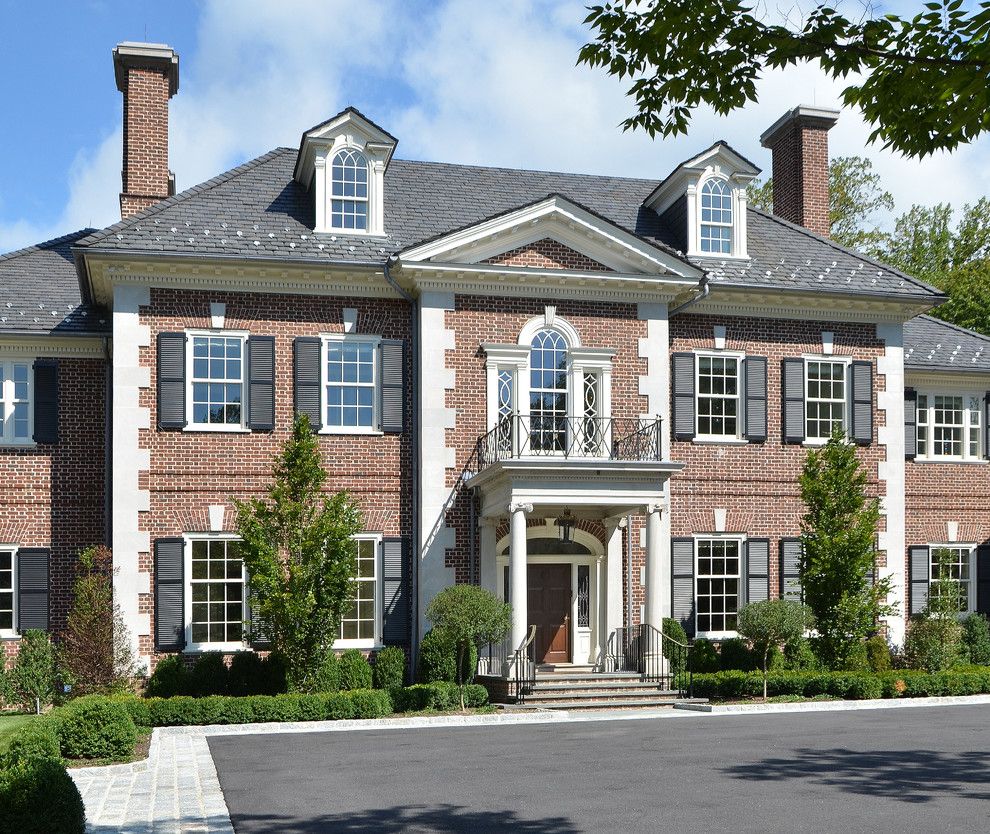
(355, 128)
(721, 159)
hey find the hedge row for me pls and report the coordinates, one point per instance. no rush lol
(907, 683)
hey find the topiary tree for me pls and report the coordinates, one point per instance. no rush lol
(34, 675)
(466, 616)
(299, 551)
(768, 625)
(355, 671)
(838, 537)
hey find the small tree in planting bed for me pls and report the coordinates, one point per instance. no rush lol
(33, 675)
(299, 551)
(466, 615)
(933, 639)
(770, 624)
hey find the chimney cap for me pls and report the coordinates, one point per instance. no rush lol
(158, 56)
(822, 118)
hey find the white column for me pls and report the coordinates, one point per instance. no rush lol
(517, 571)
(613, 579)
(654, 578)
(489, 561)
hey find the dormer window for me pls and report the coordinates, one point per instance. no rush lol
(716, 217)
(349, 190)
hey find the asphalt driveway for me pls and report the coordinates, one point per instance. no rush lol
(903, 770)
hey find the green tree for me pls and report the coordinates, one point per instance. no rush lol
(299, 550)
(838, 534)
(769, 625)
(856, 196)
(922, 80)
(33, 676)
(467, 615)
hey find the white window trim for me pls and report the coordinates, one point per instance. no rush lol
(931, 393)
(737, 189)
(7, 633)
(971, 591)
(376, 156)
(191, 646)
(8, 384)
(717, 225)
(699, 537)
(236, 428)
(376, 642)
(375, 427)
(730, 439)
(846, 415)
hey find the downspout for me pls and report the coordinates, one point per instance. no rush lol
(704, 290)
(414, 455)
(107, 443)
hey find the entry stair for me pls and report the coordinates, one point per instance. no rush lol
(581, 688)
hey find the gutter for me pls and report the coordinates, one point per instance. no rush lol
(704, 290)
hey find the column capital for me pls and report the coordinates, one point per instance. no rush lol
(517, 506)
(655, 507)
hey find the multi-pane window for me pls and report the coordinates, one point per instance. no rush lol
(15, 402)
(825, 398)
(950, 426)
(349, 191)
(956, 563)
(717, 592)
(6, 591)
(718, 396)
(351, 383)
(548, 392)
(217, 589)
(217, 380)
(716, 217)
(360, 614)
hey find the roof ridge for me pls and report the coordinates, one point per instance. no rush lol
(524, 170)
(182, 196)
(952, 326)
(37, 247)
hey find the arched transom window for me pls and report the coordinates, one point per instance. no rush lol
(349, 190)
(716, 217)
(548, 390)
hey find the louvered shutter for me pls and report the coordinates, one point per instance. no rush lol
(682, 583)
(983, 579)
(171, 380)
(790, 570)
(261, 383)
(755, 373)
(861, 394)
(683, 395)
(46, 401)
(170, 631)
(986, 425)
(919, 576)
(792, 395)
(306, 379)
(395, 592)
(393, 385)
(756, 578)
(910, 423)
(33, 588)
(259, 636)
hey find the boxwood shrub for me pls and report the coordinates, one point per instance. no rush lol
(36, 740)
(37, 796)
(439, 696)
(95, 727)
(390, 668)
(355, 671)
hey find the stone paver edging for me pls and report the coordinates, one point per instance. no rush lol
(835, 706)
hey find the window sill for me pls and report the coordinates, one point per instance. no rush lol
(963, 461)
(350, 233)
(720, 441)
(20, 444)
(202, 648)
(364, 645)
(9, 635)
(217, 429)
(716, 635)
(353, 431)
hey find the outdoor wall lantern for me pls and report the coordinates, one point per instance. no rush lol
(565, 524)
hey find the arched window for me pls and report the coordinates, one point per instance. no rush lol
(716, 217)
(349, 191)
(548, 392)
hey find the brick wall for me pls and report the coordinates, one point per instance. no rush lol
(800, 175)
(144, 178)
(547, 254)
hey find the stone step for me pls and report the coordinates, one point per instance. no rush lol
(596, 686)
(599, 695)
(578, 677)
(609, 705)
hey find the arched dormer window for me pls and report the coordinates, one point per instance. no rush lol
(548, 391)
(349, 190)
(716, 217)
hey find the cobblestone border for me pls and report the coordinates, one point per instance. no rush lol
(835, 706)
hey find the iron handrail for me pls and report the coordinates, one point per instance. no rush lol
(524, 667)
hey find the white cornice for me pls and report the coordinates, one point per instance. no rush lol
(71, 347)
(946, 380)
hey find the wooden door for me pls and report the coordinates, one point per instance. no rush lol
(550, 611)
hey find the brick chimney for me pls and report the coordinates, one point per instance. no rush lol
(798, 142)
(148, 76)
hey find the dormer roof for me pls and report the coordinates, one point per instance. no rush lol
(721, 155)
(350, 122)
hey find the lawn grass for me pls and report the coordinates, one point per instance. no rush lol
(9, 724)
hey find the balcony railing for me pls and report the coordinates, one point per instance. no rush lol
(610, 438)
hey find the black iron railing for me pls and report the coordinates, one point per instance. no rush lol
(655, 656)
(532, 435)
(517, 665)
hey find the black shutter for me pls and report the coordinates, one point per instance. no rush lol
(983, 579)
(33, 584)
(306, 373)
(171, 380)
(792, 395)
(756, 576)
(393, 385)
(986, 426)
(170, 630)
(395, 592)
(790, 570)
(46, 401)
(919, 577)
(755, 372)
(256, 628)
(910, 423)
(261, 383)
(861, 393)
(682, 583)
(683, 393)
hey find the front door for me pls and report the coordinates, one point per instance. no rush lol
(550, 610)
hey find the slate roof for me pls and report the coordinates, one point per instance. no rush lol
(39, 291)
(934, 345)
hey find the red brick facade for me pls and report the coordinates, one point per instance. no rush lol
(145, 176)
(547, 254)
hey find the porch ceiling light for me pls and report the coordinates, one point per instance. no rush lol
(565, 524)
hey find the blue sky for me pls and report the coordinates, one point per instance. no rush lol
(479, 82)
